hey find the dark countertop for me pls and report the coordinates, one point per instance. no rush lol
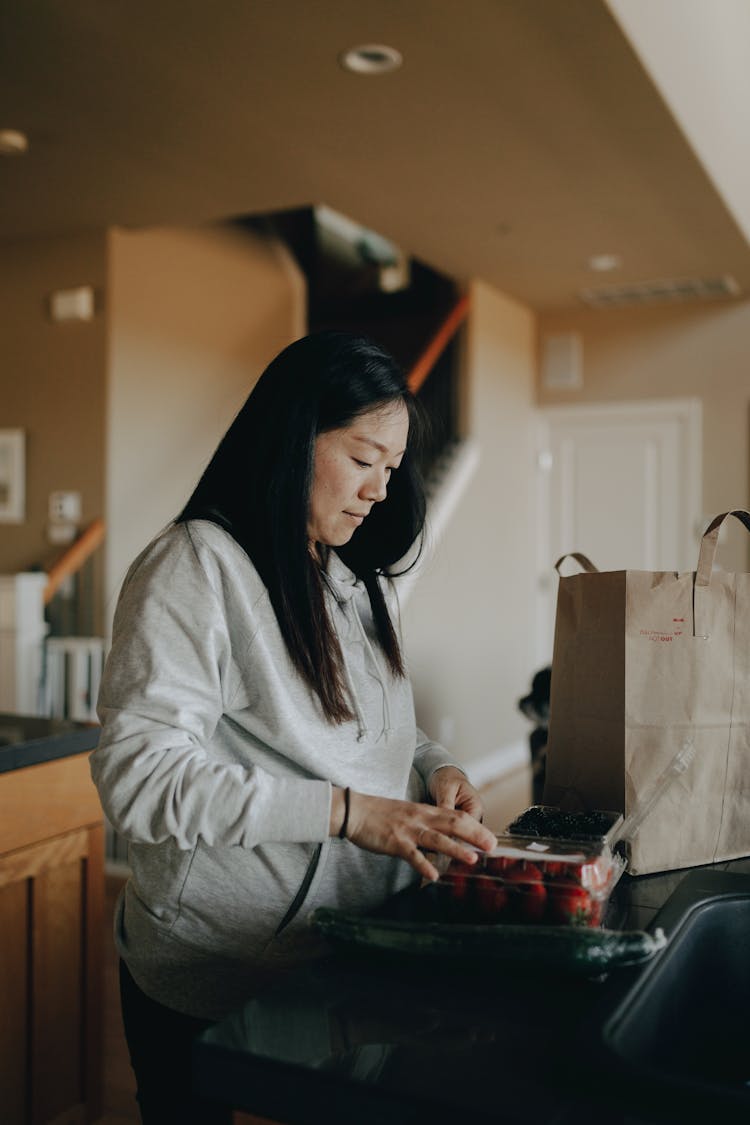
(357, 1039)
(27, 740)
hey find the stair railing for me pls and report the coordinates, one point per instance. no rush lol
(438, 344)
(71, 561)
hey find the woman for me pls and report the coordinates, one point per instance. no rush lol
(258, 746)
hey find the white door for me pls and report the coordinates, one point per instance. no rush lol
(620, 482)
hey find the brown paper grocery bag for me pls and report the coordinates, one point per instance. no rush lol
(650, 700)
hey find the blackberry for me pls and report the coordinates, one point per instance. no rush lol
(556, 824)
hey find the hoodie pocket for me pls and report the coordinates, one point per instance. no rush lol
(296, 904)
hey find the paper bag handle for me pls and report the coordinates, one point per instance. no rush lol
(710, 541)
(584, 562)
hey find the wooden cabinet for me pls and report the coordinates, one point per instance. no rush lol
(51, 937)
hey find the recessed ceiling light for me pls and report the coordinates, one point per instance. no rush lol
(602, 263)
(371, 58)
(13, 142)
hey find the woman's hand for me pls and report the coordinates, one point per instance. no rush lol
(452, 789)
(408, 829)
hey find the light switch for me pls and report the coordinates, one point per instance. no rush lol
(72, 304)
(65, 507)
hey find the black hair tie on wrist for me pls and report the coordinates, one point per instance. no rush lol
(345, 822)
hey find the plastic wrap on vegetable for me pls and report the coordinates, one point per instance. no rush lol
(571, 950)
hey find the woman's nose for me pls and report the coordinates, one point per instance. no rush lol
(375, 488)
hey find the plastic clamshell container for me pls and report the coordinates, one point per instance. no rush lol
(550, 822)
(540, 881)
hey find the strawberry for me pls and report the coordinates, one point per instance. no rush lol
(553, 869)
(492, 897)
(573, 872)
(569, 903)
(498, 864)
(522, 871)
(526, 888)
(532, 901)
(457, 878)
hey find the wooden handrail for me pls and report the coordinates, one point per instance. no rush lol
(438, 344)
(74, 558)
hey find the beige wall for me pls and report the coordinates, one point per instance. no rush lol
(52, 384)
(468, 624)
(195, 317)
(682, 350)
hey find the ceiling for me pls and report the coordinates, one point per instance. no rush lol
(519, 137)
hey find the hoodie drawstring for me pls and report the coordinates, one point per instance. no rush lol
(370, 652)
(344, 586)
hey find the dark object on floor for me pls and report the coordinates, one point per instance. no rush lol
(535, 706)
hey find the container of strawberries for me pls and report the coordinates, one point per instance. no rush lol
(534, 880)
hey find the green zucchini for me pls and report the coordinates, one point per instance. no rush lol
(570, 948)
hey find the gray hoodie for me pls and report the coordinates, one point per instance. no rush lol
(216, 763)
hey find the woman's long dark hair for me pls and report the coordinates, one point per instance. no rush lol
(257, 487)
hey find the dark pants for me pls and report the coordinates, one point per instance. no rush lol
(160, 1043)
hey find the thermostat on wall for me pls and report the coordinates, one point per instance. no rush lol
(562, 362)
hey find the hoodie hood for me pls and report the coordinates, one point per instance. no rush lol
(342, 582)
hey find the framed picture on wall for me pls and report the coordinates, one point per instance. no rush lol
(12, 476)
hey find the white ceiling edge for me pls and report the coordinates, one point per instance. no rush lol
(697, 54)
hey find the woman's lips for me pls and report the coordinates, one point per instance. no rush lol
(353, 516)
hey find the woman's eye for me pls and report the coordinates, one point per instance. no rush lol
(362, 464)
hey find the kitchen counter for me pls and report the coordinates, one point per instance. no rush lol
(51, 922)
(27, 740)
(360, 1039)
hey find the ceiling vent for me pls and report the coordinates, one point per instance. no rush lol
(664, 291)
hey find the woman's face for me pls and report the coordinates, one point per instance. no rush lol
(351, 472)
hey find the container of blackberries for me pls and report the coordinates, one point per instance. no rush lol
(552, 823)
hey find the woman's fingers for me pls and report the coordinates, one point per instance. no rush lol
(451, 789)
(434, 841)
(472, 804)
(456, 825)
(408, 829)
(422, 865)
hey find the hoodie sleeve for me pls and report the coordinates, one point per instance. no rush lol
(430, 756)
(162, 696)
